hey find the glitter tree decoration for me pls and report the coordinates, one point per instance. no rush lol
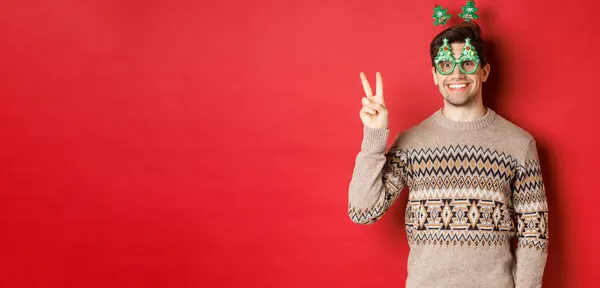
(445, 52)
(440, 15)
(468, 51)
(444, 55)
(469, 54)
(469, 11)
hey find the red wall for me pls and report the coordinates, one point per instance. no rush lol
(210, 144)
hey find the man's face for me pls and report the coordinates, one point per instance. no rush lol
(457, 88)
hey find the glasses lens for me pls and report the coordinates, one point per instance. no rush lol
(469, 66)
(445, 66)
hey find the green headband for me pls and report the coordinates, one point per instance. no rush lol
(441, 15)
(468, 62)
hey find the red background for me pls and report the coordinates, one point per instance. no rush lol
(210, 143)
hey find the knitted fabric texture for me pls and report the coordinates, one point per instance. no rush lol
(473, 188)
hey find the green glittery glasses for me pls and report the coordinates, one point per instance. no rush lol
(468, 62)
(445, 63)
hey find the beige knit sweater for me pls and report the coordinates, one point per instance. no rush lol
(473, 187)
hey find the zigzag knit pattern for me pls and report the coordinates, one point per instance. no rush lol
(465, 195)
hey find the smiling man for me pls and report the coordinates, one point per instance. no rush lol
(473, 178)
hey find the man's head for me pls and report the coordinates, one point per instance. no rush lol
(458, 88)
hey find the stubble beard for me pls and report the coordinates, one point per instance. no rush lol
(460, 101)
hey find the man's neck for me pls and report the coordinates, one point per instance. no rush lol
(466, 113)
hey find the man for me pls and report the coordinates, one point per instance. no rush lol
(473, 177)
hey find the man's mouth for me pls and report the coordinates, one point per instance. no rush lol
(457, 87)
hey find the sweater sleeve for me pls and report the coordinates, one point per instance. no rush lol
(531, 213)
(377, 179)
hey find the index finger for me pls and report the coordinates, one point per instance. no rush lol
(366, 86)
(379, 87)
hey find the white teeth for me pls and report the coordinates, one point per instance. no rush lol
(457, 86)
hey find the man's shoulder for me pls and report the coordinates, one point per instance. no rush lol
(414, 133)
(510, 130)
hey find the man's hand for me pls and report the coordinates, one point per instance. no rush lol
(373, 114)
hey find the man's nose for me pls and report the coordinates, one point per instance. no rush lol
(457, 73)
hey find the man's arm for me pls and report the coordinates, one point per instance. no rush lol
(531, 211)
(378, 177)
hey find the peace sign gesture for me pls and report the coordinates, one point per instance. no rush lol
(373, 114)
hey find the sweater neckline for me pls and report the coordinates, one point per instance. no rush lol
(479, 123)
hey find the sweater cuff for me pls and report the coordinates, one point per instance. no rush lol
(375, 140)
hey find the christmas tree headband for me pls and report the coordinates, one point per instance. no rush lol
(468, 62)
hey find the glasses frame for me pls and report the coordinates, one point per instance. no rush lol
(468, 54)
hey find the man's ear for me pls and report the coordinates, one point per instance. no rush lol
(486, 72)
(434, 76)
